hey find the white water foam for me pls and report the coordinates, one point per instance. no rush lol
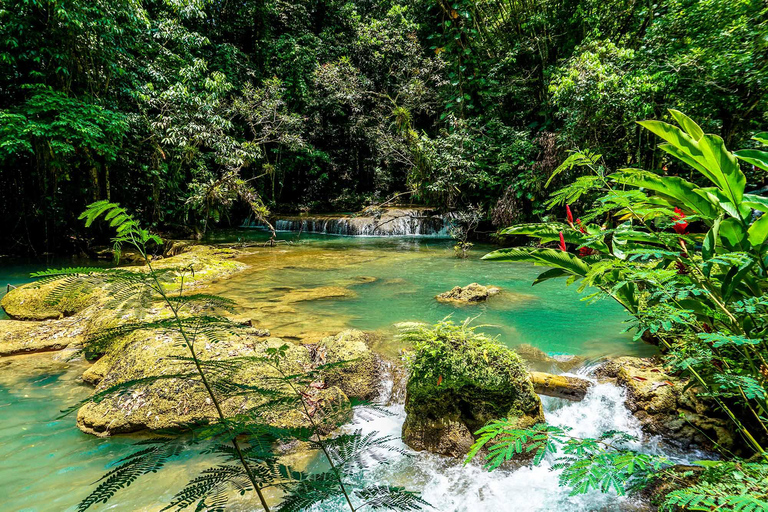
(450, 486)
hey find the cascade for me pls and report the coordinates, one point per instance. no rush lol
(391, 222)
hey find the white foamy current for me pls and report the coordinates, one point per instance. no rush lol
(450, 486)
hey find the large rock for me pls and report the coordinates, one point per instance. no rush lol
(666, 406)
(459, 381)
(45, 301)
(51, 300)
(358, 374)
(22, 337)
(472, 293)
(150, 402)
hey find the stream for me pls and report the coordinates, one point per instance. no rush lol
(47, 464)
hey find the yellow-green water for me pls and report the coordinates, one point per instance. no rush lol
(47, 464)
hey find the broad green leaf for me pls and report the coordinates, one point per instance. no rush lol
(754, 157)
(547, 257)
(758, 231)
(552, 273)
(682, 191)
(732, 231)
(690, 127)
(724, 165)
(761, 137)
(756, 202)
(708, 152)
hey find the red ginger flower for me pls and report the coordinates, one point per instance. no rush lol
(562, 243)
(680, 224)
(569, 215)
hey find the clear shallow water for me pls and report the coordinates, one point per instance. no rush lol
(407, 274)
(47, 464)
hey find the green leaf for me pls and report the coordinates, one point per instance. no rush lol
(548, 257)
(754, 157)
(758, 231)
(707, 154)
(681, 191)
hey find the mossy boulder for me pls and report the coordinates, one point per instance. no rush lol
(166, 393)
(667, 406)
(470, 294)
(460, 380)
(23, 337)
(358, 375)
(46, 301)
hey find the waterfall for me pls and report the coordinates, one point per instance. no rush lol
(392, 222)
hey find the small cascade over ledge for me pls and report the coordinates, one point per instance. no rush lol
(394, 221)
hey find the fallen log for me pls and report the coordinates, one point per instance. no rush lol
(560, 386)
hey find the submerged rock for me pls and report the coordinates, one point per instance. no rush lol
(537, 358)
(666, 406)
(469, 294)
(459, 381)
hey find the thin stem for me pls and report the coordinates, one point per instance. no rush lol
(334, 469)
(190, 345)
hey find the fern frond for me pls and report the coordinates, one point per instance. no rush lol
(384, 497)
(142, 462)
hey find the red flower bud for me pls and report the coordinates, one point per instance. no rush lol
(569, 215)
(562, 243)
(680, 225)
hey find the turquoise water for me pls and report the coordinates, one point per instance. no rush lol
(47, 464)
(409, 273)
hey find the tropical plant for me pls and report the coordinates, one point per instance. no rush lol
(739, 486)
(687, 259)
(605, 464)
(243, 442)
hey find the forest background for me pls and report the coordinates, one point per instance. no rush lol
(181, 109)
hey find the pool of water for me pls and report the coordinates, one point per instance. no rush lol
(47, 464)
(393, 280)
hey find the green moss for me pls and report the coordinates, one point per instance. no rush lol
(358, 376)
(43, 302)
(462, 376)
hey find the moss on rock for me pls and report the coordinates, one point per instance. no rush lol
(179, 398)
(459, 381)
(22, 337)
(470, 294)
(35, 301)
(359, 374)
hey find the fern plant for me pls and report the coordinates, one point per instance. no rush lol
(605, 463)
(736, 486)
(243, 442)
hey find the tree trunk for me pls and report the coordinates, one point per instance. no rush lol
(560, 386)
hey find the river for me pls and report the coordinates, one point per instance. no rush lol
(47, 464)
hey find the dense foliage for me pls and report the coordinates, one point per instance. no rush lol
(185, 109)
(688, 262)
